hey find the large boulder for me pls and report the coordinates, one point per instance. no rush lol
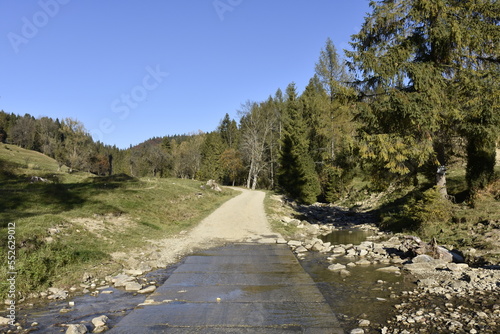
(212, 184)
(414, 246)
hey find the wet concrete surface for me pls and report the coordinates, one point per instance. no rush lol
(239, 288)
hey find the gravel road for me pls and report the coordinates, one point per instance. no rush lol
(241, 218)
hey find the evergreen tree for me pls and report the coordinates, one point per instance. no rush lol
(211, 151)
(297, 176)
(229, 132)
(421, 62)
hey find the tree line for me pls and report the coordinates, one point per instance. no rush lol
(418, 90)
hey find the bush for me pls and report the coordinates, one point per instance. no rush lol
(431, 213)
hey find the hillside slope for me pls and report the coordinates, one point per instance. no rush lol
(72, 222)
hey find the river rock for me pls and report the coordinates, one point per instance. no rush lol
(100, 324)
(4, 321)
(122, 280)
(76, 329)
(338, 250)
(133, 272)
(294, 243)
(358, 331)
(391, 269)
(336, 267)
(301, 249)
(133, 286)
(457, 266)
(57, 294)
(318, 247)
(423, 258)
(313, 229)
(344, 273)
(364, 323)
(363, 262)
(149, 289)
(100, 321)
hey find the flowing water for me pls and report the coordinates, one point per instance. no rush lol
(365, 294)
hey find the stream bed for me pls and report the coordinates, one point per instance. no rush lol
(364, 298)
(366, 294)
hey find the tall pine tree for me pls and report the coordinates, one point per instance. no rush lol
(297, 176)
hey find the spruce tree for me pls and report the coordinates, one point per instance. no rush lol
(211, 151)
(424, 65)
(297, 176)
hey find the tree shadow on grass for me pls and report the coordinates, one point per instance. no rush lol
(21, 198)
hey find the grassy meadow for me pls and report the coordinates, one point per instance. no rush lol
(74, 221)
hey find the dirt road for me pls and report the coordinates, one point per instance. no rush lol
(242, 218)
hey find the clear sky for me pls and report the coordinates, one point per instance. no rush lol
(130, 70)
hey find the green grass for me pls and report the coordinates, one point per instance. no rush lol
(275, 211)
(94, 217)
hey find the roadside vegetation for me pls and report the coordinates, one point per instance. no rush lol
(67, 223)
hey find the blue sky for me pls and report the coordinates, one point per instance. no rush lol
(130, 70)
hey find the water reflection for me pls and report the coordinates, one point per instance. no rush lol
(350, 236)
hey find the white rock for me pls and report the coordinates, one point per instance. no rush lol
(391, 269)
(344, 273)
(122, 280)
(294, 243)
(133, 286)
(133, 272)
(149, 289)
(4, 321)
(301, 249)
(358, 331)
(57, 294)
(318, 247)
(363, 252)
(363, 262)
(100, 321)
(336, 267)
(423, 258)
(338, 250)
(76, 329)
(364, 323)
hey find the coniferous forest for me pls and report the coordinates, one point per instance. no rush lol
(418, 92)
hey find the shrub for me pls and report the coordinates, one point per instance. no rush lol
(431, 213)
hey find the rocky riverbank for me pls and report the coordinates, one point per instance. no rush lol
(448, 295)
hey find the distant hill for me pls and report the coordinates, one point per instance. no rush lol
(19, 161)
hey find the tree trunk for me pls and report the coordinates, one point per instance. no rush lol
(250, 173)
(441, 181)
(254, 183)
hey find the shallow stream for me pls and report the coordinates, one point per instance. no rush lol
(365, 294)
